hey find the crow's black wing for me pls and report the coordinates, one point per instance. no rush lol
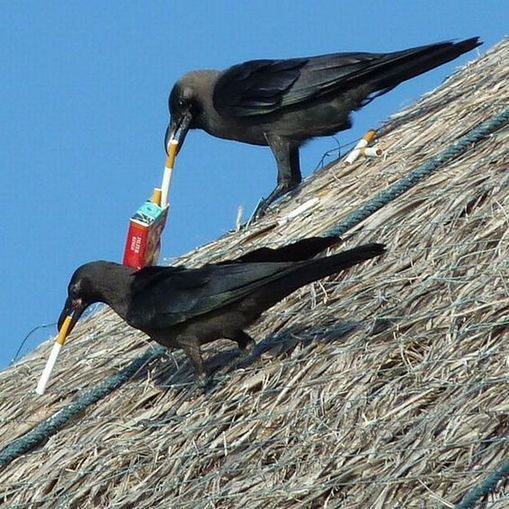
(297, 251)
(256, 87)
(147, 276)
(265, 86)
(173, 296)
(260, 87)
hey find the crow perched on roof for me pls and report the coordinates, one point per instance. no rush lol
(186, 308)
(284, 103)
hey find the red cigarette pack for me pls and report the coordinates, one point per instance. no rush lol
(144, 236)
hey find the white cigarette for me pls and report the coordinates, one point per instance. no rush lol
(41, 386)
(238, 220)
(165, 186)
(168, 171)
(62, 335)
(371, 152)
(352, 156)
(363, 142)
(299, 210)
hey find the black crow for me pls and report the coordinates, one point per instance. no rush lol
(284, 103)
(186, 308)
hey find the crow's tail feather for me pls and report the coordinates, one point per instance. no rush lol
(305, 272)
(397, 67)
(316, 269)
(295, 252)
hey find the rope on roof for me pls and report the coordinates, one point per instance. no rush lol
(42, 432)
(38, 435)
(423, 171)
(484, 488)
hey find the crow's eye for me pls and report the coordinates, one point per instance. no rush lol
(182, 103)
(74, 291)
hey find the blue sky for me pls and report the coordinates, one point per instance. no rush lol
(83, 99)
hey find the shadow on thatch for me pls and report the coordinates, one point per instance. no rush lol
(222, 362)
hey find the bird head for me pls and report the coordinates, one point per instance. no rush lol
(183, 107)
(82, 291)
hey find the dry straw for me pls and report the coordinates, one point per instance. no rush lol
(383, 387)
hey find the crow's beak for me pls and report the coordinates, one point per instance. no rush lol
(177, 129)
(73, 308)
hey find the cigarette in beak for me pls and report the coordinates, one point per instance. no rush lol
(168, 171)
(41, 386)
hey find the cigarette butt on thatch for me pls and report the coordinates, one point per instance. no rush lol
(52, 359)
(371, 152)
(360, 148)
(238, 219)
(299, 210)
(363, 151)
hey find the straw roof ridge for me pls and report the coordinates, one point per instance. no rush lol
(381, 387)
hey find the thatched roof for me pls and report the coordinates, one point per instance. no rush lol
(382, 387)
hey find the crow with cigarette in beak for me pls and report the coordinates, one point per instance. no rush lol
(186, 308)
(284, 103)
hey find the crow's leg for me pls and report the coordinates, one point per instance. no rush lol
(288, 170)
(247, 346)
(246, 343)
(192, 350)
